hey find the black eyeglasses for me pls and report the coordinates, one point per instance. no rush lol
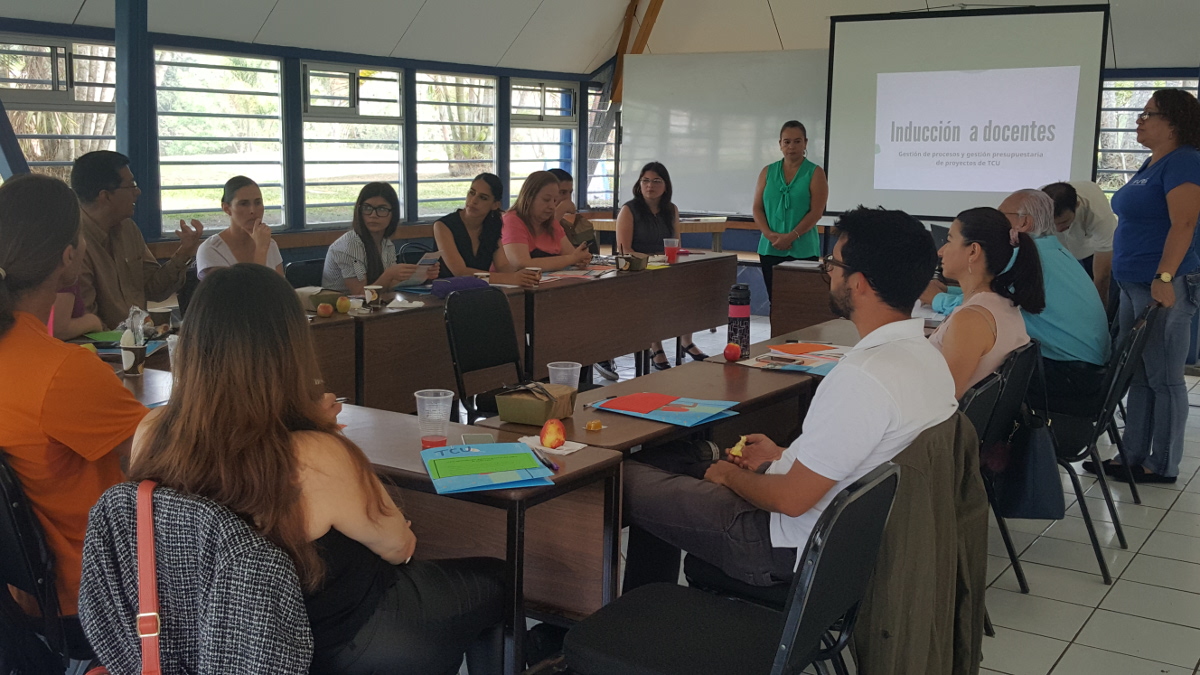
(367, 209)
(828, 263)
(1147, 114)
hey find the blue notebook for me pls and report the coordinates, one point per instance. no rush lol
(487, 466)
(683, 412)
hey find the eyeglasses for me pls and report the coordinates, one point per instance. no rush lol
(367, 209)
(651, 181)
(828, 263)
(1147, 114)
(131, 186)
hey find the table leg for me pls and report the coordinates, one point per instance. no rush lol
(716, 242)
(514, 622)
(612, 538)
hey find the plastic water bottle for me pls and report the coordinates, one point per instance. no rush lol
(739, 317)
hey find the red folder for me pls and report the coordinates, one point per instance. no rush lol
(644, 402)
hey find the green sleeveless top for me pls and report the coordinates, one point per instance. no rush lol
(786, 205)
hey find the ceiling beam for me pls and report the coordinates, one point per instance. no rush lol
(622, 47)
(639, 43)
(643, 36)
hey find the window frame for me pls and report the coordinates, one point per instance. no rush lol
(541, 119)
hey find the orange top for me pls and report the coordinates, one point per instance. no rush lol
(64, 410)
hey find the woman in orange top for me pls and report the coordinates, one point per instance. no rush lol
(67, 419)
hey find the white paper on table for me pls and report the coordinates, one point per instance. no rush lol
(404, 304)
(565, 449)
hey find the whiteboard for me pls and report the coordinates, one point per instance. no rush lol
(714, 119)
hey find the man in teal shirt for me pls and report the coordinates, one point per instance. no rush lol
(1073, 329)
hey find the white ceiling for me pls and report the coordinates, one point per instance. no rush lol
(577, 35)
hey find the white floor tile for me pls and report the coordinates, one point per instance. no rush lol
(1081, 660)
(1130, 514)
(995, 566)
(1143, 638)
(1153, 602)
(1152, 496)
(1174, 546)
(1018, 653)
(1020, 540)
(1188, 502)
(1176, 574)
(1027, 526)
(1032, 614)
(1056, 583)
(1075, 529)
(1181, 522)
(1075, 556)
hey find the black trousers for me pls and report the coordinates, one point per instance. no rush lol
(435, 612)
(768, 263)
(1072, 388)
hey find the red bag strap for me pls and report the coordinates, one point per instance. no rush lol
(148, 621)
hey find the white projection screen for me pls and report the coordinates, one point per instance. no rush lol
(938, 112)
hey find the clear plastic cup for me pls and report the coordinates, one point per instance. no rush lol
(671, 249)
(564, 372)
(172, 347)
(433, 416)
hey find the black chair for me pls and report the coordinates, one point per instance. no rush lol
(1076, 437)
(28, 565)
(979, 402)
(190, 284)
(666, 628)
(479, 327)
(411, 252)
(304, 273)
(1014, 376)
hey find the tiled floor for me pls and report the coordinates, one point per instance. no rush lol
(708, 342)
(1070, 623)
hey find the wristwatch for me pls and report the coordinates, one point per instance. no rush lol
(1164, 277)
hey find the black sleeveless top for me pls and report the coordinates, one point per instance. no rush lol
(489, 241)
(649, 229)
(355, 579)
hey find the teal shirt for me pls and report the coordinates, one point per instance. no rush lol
(1074, 326)
(786, 204)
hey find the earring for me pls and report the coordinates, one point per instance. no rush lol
(969, 270)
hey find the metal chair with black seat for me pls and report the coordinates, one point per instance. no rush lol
(49, 642)
(303, 273)
(480, 330)
(668, 629)
(411, 252)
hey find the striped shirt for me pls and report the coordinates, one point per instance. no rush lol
(346, 258)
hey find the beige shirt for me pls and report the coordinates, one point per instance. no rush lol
(119, 272)
(1092, 230)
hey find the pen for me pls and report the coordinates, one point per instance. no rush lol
(546, 462)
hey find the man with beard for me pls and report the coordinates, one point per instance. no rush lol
(752, 515)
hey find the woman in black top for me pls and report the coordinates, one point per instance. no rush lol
(642, 224)
(469, 238)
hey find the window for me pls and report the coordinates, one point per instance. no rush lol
(218, 117)
(353, 133)
(456, 118)
(1120, 155)
(602, 151)
(543, 130)
(58, 118)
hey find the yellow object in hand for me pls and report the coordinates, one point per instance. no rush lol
(736, 450)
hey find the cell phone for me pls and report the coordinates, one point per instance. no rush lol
(478, 439)
(767, 358)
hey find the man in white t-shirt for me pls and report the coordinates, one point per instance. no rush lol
(751, 516)
(1085, 224)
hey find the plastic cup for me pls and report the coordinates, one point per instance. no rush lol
(433, 416)
(671, 248)
(564, 372)
(356, 303)
(172, 345)
(133, 359)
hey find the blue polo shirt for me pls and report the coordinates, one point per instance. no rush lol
(1143, 219)
(1074, 326)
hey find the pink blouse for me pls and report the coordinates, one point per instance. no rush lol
(515, 232)
(1010, 332)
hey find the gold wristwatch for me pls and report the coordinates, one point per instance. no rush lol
(1164, 277)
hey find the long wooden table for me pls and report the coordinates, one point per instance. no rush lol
(561, 543)
(686, 226)
(839, 332)
(770, 403)
(334, 343)
(594, 320)
(152, 388)
(799, 298)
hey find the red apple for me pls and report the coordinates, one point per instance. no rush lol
(325, 310)
(733, 352)
(553, 434)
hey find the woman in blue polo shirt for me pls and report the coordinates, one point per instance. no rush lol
(1155, 260)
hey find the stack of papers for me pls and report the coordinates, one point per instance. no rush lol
(487, 466)
(803, 357)
(802, 264)
(684, 412)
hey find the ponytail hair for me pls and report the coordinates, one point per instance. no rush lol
(1021, 282)
(39, 219)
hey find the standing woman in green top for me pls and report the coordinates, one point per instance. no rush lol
(788, 201)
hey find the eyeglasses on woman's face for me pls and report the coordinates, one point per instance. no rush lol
(381, 210)
(651, 182)
(1147, 114)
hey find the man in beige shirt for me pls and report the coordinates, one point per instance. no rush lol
(119, 271)
(1086, 224)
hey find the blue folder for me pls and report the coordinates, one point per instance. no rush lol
(472, 468)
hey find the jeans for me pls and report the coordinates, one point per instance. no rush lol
(1158, 402)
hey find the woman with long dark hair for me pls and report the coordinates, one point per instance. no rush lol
(469, 238)
(247, 239)
(988, 325)
(250, 427)
(366, 256)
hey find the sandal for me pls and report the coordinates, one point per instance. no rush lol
(694, 352)
(659, 365)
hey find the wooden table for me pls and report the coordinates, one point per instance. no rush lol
(799, 298)
(595, 320)
(770, 403)
(561, 543)
(714, 227)
(334, 343)
(838, 332)
(152, 387)
(401, 351)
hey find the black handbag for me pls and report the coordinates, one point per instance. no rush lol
(1028, 485)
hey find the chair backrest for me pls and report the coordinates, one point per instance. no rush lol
(304, 272)
(185, 293)
(1015, 374)
(411, 252)
(836, 566)
(479, 326)
(979, 402)
(1123, 364)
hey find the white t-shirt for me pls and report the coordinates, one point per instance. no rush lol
(1092, 230)
(214, 252)
(888, 389)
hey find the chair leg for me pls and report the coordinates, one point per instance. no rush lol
(1012, 551)
(988, 630)
(1087, 520)
(1112, 508)
(1116, 439)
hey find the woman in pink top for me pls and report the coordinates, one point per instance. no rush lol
(531, 235)
(988, 325)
